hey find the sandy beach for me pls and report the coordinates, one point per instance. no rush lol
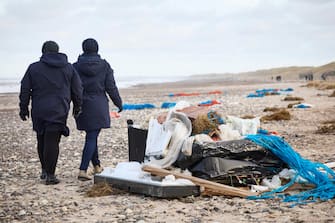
(24, 197)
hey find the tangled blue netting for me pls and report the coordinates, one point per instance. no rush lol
(315, 173)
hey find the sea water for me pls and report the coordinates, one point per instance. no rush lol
(12, 85)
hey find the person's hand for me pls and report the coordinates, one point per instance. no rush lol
(76, 112)
(120, 110)
(24, 115)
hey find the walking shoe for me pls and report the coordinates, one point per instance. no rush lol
(51, 179)
(83, 176)
(43, 175)
(98, 169)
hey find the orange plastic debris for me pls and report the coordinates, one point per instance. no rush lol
(215, 92)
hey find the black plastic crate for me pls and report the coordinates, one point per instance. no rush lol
(136, 142)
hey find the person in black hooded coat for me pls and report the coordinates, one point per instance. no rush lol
(51, 84)
(98, 79)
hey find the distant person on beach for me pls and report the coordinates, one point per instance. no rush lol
(98, 79)
(51, 84)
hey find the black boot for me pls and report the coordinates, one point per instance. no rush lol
(43, 174)
(51, 179)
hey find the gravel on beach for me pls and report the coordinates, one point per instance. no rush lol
(24, 197)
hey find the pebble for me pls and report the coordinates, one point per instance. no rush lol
(128, 211)
(44, 202)
(121, 216)
(22, 212)
(64, 209)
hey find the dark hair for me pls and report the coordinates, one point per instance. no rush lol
(90, 46)
(50, 47)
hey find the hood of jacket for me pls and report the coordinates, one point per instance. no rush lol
(90, 64)
(54, 59)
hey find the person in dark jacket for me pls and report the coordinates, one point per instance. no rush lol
(51, 84)
(98, 79)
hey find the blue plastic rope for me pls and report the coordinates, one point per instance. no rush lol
(168, 104)
(137, 106)
(324, 181)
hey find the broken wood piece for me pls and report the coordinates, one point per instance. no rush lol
(212, 192)
(298, 186)
(219, 189)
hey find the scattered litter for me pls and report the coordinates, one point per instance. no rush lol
(292, 104)
(287, 89)
(291, 98)
(280, 115)
(193, 94)
(227, 133)
(209, 103)
(290, 174)
(181, 105)
(168, 104)
(272, 183)
(137, 106)
(183, 94)
(215, 92)
(269, 91)
(259, 188)
(302, 105)
(244, 126)
(227, 150)
(255, 95)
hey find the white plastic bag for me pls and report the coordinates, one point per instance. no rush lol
(244, 126)
(157, 140)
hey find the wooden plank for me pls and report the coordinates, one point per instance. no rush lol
(298, 186)
(219, 189)
(212, 192)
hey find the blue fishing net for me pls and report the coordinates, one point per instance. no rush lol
(315, 173)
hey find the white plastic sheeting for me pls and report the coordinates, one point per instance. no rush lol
(158, 139)
(244, 126)
(180, 127)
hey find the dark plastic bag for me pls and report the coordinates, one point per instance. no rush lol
(235, 162)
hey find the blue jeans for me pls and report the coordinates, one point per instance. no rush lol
(90, 151)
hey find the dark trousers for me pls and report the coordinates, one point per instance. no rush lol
(90, 151)
(48, 150)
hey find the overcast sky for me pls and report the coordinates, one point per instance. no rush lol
(171, 37)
